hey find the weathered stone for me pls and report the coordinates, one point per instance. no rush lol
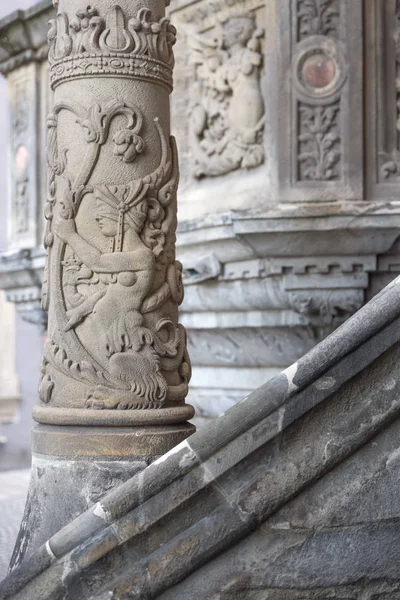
(113, 339)
(55, 479)
(269, 500)
(116, 370)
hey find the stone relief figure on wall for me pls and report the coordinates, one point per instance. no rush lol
(227, 117)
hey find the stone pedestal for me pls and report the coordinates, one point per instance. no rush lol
(72, 469)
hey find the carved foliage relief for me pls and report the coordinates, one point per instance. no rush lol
(317, 17)
(319, 71)
(114, 341)
(227, 112)
(319, 142)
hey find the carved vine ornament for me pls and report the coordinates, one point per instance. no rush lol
(111, 282)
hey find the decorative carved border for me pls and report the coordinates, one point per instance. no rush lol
(97, 42)
(114, 65)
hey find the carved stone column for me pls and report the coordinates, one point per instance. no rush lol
(115, 370)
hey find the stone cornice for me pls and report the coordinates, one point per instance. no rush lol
(370, 211)
(273, 227)
(23, 36)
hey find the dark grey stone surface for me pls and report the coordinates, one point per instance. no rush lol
(62, 489)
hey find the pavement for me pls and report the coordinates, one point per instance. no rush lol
(13, 491)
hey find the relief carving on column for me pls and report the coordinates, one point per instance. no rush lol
(227, 114)
(112, 284)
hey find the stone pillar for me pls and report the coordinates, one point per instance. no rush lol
(115, 370)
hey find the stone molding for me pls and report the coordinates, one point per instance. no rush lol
(264, 286)
(24, 36)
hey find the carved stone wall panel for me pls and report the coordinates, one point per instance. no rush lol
(218, 104)
(9, 386)
(23, 151)
(383, 98)
(317, 116)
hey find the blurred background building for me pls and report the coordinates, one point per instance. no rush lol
(20, 343)
(290, 176)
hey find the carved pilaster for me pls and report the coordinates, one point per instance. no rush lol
(383, 98)
(23, 202)
(316, 109)
(9, 385)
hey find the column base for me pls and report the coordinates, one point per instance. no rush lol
(114, 443)
(73, 467)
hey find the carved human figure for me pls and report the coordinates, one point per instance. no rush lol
(124, 279)
(246, 106)
(228, 107)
